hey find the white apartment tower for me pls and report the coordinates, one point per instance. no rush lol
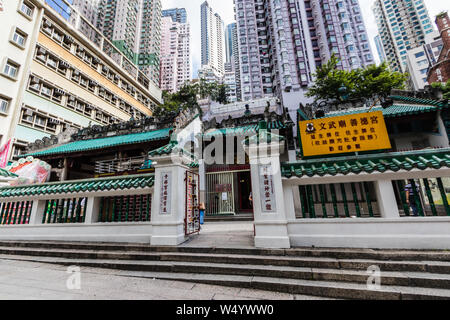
(213, 41)
(175, 54)
(402, 26)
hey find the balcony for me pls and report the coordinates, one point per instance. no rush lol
(122, 165)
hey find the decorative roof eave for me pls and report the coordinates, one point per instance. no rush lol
(170, 150)
(247, 130)
(103, 143)
(422, 101)
(376, 164)
(369, 177)
(109, 186)
(394, 111)
(7, 175)
(263, 137)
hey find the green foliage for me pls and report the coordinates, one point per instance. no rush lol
(445, 87)
(186, 97)
(358, 83)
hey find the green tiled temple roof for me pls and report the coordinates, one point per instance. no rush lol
(437, 103)
(247, 130)
(263, 136)
(171, 147)
(421, 160)
(164, 150)
(7, 174)
(102, 143)
(89, 185)
(396, 110)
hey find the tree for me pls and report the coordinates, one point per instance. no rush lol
(332, 83)
(445, 87)
(186, 97)
(219, 93)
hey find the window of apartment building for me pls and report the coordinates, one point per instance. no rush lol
(11, 69)
(4, 104)
(19, 38)
(19, 148)
(26, 9)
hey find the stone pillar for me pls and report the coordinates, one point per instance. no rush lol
(168, 204)
(202, 174)
(386, 199)
(92, 210)
(37, 212)
(65, 170)
(270, 221)
(289, 193)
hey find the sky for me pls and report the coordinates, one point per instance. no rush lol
(226, 10)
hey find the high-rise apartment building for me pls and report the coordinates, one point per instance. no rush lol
(229, 79)
(282, 42)
(148, 54)
(440, 71)
(420, 59)
(175, 53)
(232, 61)
(402, 26)
(380, 48)
(54, 78)
(212, 41)
(229, 39)
(177, 14)
(134, 27)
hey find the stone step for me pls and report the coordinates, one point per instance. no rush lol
(337, 253)
(442, 267)
(309, 287)
(238, 217)
(418, 279)
(328, 289)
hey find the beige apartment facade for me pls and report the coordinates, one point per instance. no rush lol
(59, 77)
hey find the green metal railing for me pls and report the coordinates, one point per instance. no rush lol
(336, 201)
(72, 210)
(424, 197)
(15, 213)
(135, 208)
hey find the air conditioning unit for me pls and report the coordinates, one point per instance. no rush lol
(54, 121)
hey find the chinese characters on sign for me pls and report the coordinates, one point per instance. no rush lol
(166, 191)
(268, 201)
(192, 205)
(345, 134)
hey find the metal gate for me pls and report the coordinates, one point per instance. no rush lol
(192, 217)
(220, 193)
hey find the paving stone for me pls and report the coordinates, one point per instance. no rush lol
(217, 289)
(265, 295)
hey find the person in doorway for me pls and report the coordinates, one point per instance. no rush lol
(411, 198)
(202, 209)
(250, 198)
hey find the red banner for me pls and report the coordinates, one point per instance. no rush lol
(4, 151)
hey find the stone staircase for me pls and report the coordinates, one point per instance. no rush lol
(327, 273)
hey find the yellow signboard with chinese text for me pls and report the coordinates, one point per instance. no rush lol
(344, 134)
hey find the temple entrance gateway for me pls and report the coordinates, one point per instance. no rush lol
(245, 189)
(228, 190)
(219, 194)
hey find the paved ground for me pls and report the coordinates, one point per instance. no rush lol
(224, 234)
(21, 280)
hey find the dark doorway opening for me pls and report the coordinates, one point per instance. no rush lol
(245, 188)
